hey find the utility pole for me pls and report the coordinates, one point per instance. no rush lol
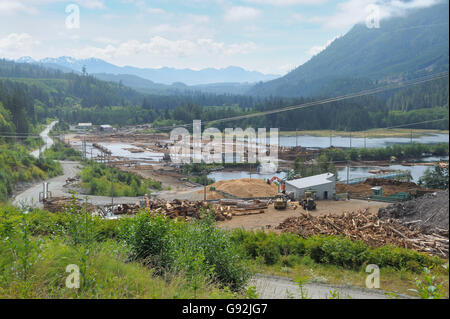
(411, 136)
(350, 139)
(204, 192)
(348, 173)
(331, 138)
(365, 136)
(296, 137)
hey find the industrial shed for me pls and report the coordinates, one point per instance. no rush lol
(324, 185)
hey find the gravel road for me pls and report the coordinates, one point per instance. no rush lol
(48, 141)
(274, 287)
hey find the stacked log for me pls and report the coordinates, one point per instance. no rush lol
(62, 204)
(223, 210)
(372, 230)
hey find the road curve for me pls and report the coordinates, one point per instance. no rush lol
(47, 140)
(275, 287)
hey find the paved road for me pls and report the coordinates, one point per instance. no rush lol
(273, 287)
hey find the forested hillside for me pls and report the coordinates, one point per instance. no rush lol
(27, 100)
(403, 47)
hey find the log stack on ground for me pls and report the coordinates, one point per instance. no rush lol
(222, 210)
(62, 204)
(371, 230)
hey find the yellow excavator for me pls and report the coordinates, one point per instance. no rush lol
(308, 202)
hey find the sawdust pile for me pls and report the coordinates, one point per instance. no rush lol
(390, 187)
(426, 212)
(370, 229)
(242, 188)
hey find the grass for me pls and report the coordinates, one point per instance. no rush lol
(382, 133)
(36, 248)
(111, 276)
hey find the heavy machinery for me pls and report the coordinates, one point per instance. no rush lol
(281, 184)
(308, 202)
(280, 201)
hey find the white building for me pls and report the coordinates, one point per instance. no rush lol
(106, 128)
(81, 127)
(324, 185)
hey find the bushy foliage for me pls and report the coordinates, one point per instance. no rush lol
(193, 248)
(99, 179)
(332, 250)
(62, 152)
(17, 165)
(414, 150)
(436, 177)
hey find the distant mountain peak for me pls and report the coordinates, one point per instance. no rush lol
(164, 75)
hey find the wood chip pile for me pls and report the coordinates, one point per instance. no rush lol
(370, 229)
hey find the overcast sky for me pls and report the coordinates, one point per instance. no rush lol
(271, 36)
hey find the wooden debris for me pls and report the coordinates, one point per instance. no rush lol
(370, 229)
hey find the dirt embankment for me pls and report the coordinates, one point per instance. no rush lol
(242, 188)
(426, 212)
(390, 187)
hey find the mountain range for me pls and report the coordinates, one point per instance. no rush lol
(403, 47)
(165, 75)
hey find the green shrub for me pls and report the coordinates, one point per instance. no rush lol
(169, 245)
(334, 250)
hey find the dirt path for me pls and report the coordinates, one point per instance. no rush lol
(273, 287)
(273, 217)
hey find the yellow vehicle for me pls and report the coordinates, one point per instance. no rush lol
(280, 202)
(308, 202)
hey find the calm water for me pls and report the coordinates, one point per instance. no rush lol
(340, 141)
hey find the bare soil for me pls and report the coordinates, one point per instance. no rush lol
(272, 217)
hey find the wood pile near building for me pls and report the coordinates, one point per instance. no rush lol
(370, 229)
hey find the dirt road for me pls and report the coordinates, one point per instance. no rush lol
(47, 140)
(273, 217)
(273, 287)
(30, 197)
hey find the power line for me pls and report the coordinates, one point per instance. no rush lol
(407, 83)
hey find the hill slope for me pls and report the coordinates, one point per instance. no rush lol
(402, 47)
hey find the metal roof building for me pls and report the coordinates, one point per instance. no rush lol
(324, 185)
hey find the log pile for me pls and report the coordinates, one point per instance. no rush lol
(62, 204)
(223, 210)
(370, 229)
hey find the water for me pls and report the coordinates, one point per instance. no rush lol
(340, 141)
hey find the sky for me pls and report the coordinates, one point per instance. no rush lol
(270, 36)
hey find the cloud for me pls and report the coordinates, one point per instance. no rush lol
(13, 6)
(352, 12)
(31, 6)
(161, 47)
(241, 14)
(286, 2)
(194, 27)
(16, 44)
(317, 49)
